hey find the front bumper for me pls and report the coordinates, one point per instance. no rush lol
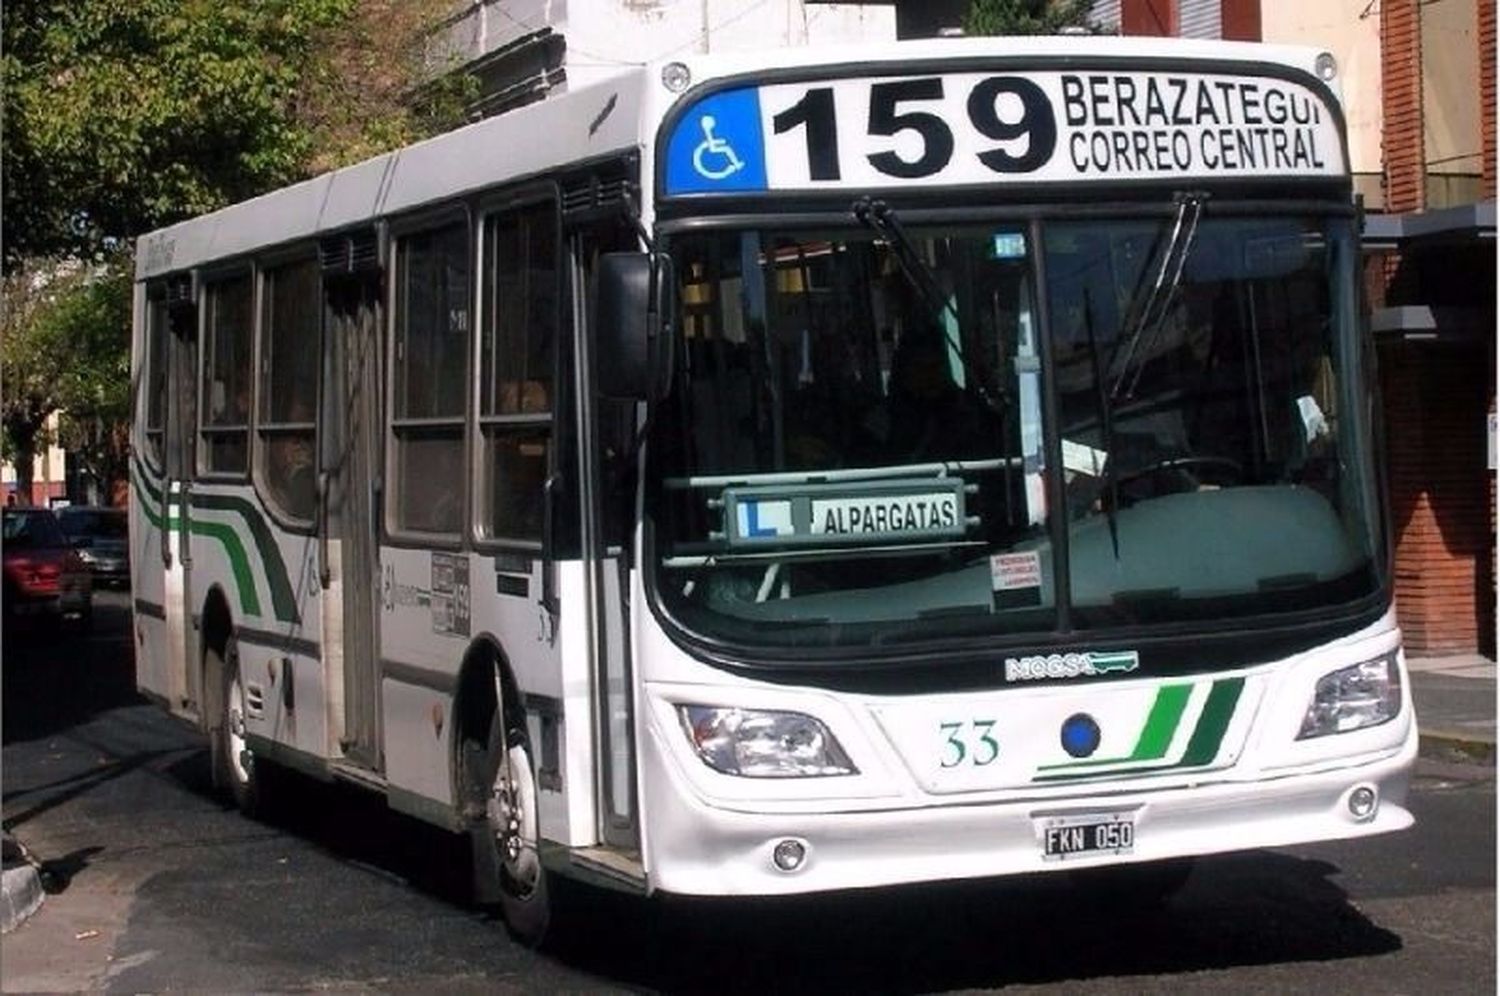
(1221, 778)
(697, 848)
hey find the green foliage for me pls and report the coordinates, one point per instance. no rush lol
(1025, 17)
(121, 117)
(66, 330)
(124, 117)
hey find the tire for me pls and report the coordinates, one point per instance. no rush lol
(507, 862)
(235, 772)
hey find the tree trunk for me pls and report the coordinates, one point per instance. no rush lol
(24, 428)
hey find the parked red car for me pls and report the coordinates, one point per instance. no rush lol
(44, 575)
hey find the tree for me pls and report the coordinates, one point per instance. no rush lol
(66, 330)
(1026, 17)
(124, 117)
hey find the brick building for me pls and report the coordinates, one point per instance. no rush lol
(1419, 90)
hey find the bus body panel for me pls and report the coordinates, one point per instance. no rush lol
(714, 834)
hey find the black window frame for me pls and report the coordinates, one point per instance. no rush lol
(208, 343)
(266, 430)
(490, 424)
(399, 425)
(154, 361)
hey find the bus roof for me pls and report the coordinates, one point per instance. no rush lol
(591, 122)
(579, 125)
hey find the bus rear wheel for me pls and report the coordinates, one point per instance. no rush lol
(511, 836)
(234, 768)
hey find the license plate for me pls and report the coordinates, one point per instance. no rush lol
(1066, 837)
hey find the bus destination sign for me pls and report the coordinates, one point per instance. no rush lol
(845, 514)
(965, 128)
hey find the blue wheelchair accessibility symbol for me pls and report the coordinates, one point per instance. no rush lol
(717, 146)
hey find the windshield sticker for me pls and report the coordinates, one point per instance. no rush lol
(864, 512)
(977, 127)
(1085, 665)
(1012, 571)
(1082, 458)
(1008, 245)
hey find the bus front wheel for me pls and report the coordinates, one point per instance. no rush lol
(511, 835)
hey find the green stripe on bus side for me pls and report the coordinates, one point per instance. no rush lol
(239, 560)
(1203, 745)
(283, 601)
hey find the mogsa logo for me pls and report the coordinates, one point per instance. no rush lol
(1091, 664)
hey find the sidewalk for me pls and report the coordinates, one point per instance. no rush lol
(1455, 700)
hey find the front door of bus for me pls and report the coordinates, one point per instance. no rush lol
(606, 493)
(350, 478)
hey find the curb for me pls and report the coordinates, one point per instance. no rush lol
(20, 887)
(1465, 748)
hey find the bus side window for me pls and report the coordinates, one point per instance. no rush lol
(288, 388)
(225, 427)
(518, 354)
(155, 379)
(430, 373)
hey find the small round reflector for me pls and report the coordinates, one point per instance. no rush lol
(789, 855)
(1362, 802)
(676, 77)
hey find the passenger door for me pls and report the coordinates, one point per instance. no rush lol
(350, 486)
(185, 676)
(606, 498)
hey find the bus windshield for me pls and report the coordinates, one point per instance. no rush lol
(858, 446)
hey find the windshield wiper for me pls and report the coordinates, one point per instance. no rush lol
(1153, 310)
(881, 219)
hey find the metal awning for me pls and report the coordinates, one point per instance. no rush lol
(1423, 323)
(1452, 224)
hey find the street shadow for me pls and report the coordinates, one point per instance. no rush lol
(1253, 908)
(1250, 909)
(56, 678)
(57, 874)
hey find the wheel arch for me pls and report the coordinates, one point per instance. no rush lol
(216, 626)
(474, 702)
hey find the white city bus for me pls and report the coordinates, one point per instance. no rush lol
(775, 473)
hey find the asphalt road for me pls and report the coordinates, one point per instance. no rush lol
(155, 886)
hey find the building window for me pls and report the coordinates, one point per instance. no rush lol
(518, 356)
(286, 419)
(226, 378)
(430, 373)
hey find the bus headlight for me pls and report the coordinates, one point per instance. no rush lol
(761, 743)
(1353, 698)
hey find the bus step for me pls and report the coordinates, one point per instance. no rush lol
(609, 868)
(363, 777)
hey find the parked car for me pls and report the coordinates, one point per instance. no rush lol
(44, 575)
(102, 538)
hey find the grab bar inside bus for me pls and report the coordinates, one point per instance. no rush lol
(549, 528)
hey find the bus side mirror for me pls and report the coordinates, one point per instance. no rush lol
(633, 356)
